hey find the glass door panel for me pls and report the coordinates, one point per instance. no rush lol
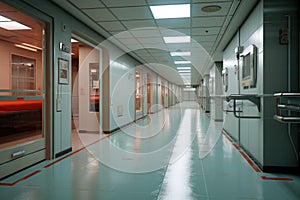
(22, 94)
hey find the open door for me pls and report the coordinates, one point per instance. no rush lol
(86, 87)
(149, 93)
(138, 95)
(162, 94)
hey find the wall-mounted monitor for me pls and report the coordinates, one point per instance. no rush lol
(249, 67)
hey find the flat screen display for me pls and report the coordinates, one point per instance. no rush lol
(246, 66)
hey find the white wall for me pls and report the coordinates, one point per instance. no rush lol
(262, 137)
(216, 100)
(230, 122)
(249, 132)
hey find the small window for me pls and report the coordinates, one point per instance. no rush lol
(23, 74)
(94, 87)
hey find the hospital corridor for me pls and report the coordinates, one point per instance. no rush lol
(149, 99)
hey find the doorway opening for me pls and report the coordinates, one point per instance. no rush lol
(85, 94)
(149, 93)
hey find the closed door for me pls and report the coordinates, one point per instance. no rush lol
(23, 113)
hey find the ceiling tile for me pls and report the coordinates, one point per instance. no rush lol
(206, 31)
(204, 44)
(161, 46)
(197, 12)
(129, 41)
(205, 38)
(174, 23)
(184, 31)
(112, 26)
(146, 33)
(99, 14)
(134, 46)
(120, 35)
(118, 3)
(139, 23)
(151, 40)
(156, 51)
(179, 47)
(207, 21)
(141, 52)
(87, 4)
(129, 13)
(172, 32)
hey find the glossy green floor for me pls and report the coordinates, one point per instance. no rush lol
(174, 154)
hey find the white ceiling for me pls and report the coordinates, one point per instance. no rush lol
(137, 32)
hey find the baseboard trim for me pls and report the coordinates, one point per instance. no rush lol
(63, 152)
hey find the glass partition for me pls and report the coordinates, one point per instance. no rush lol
(21, 79)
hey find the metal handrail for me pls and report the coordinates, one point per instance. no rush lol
(254, 98)
(290, 107)
(289, 118)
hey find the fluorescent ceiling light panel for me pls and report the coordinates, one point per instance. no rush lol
(180, 53)
(171, 11)
(4, 19)
(25, 47)
(32, 46)
(12, 25)
(180, 68)
(177, 39)
(73, 40)
(182, 62)
(185, 74)
(184, 71)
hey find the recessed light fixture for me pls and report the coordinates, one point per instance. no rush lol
(9, 24)
(177, 39)
(180, 53)
(12, 25)
(4, 19)
(180, 68)
(171, 11)
(184, 71)
(211, 8)
(185, 75)
(73, 40)
(25, 47)
(32, 46)
(182, 62)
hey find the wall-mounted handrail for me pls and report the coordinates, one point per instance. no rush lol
(289, 118)
(254, 98)
(290, 107)
(285, 94)
(229, 106)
